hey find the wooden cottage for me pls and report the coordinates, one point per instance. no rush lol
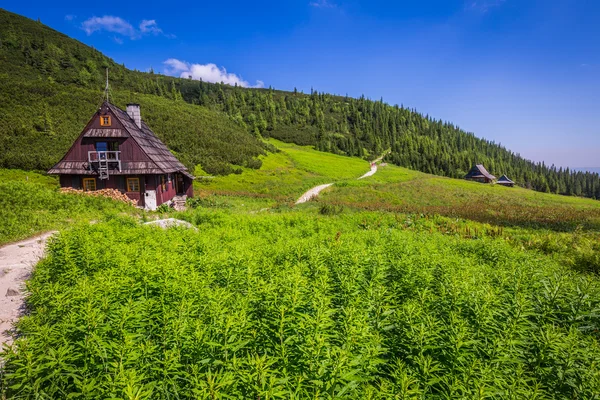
(479, 174)
(505, 181)
(118, 150)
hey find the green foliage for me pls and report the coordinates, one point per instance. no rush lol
(38, 64)
(17, 175)
(286, 174)
(301, 306)
(30, 207)
(164, 208)
(401, 190)
(329, 209)
(208, 201)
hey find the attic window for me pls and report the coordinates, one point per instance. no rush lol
(105, 120)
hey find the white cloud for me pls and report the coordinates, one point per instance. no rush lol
(110, 24)
(70, 17)
(322, 4)
(482, 6)
(150, 26)
(206, 72)
(119, 26)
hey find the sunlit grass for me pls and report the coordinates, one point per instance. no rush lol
(299, 305)
(287, 174)
(402, 190)
(31, 203)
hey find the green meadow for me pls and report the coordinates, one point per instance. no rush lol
(398, 189)
(31, 203)
(300, 305)
(285, 175)
(400, 285)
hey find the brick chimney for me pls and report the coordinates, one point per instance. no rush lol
(134, 112)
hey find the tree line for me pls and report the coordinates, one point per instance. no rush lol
(339, 124)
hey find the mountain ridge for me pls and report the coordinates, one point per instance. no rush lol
(46, 60)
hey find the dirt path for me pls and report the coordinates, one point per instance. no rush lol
(16, 263)
(371, 172)
(314, 192)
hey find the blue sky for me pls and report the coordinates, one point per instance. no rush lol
(524, 73)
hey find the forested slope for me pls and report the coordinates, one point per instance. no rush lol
(51, 86)
(36, 60)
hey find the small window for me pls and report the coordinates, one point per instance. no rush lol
(133, 184)
(163, 183)
(89, 184)
(104, 120)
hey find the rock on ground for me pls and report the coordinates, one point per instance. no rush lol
(170, 222)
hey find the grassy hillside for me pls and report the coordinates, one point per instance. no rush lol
(36, 59)
(267, 300)
(286, 174)
(402, 190)
(31, 203)
(45, 105)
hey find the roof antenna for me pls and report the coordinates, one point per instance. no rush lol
(107, 88)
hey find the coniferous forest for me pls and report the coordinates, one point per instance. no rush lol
(54, 84)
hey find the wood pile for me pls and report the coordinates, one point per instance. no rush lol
(110, 193)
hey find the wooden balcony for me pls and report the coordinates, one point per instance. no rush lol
(102, 159)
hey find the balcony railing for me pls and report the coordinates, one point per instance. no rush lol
(104, 158)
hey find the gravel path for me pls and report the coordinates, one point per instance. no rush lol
(16, 263)
(314, 192)
(371, 172)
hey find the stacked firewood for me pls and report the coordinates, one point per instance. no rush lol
(110, 193)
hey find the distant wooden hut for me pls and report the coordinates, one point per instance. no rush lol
(479, 174)
(504, 181)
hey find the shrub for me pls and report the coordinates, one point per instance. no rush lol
(330, 209)
(298, 306)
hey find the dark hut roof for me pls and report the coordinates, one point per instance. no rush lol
(504, 179)
(162, 160)
(479, 171)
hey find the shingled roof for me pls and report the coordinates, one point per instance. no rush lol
(162, 161)
(479, 171)
(504, 180)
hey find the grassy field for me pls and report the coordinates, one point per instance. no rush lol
(17, 175)
(285, 175)
(299, 305)
(401, 285)
(401, 190)
(31, 203)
